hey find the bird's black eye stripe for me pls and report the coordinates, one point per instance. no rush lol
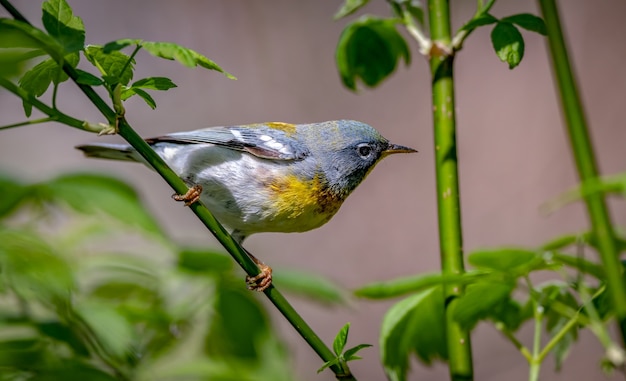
(364, 150)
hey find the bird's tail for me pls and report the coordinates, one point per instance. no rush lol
(110, 151)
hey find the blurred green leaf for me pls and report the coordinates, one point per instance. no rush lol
(185, 56)
(13, 193)
(13, 61)
(580, 264)
(239, 325)
(415, 324)
(61, 332)
(90, 193)
(60, 22)
(201, 261)
(349, 7)
(606, 184)
(31, 268)
(510, 313)
(309, 285)
(479, 301)
(369, 49)
(73, 371)
(529, 22)
(414, 7)
(115, 67)
(341, 339)
(17, 34)
(508, 43)
(506, 260)
(119, 44)
(400, 286)
(110, 327)
(22, 354)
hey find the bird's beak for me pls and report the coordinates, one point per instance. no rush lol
(395, 148)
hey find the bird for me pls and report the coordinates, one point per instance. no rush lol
(266, 177)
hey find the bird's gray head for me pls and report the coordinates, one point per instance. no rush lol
(347, 150)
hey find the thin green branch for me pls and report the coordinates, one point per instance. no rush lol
(555, 339)
(462, 34)
(582, 148)
(416, 32)
(28, 122)
(511, 337)
(235, 250)
(535, 365)
(448, 198)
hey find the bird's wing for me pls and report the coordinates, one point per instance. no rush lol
(261, 140)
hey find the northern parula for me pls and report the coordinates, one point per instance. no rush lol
(267, 177)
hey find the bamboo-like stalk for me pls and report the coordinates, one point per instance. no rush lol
(342, 372)
(448, 201)
(582, 149)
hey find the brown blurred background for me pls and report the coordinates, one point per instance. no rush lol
(512, 148)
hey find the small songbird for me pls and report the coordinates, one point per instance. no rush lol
(267, 177)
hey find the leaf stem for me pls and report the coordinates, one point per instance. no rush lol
(234, 249)
(28, 122)
(582, 149)
(416, 32)
(448, 198)
(511, 337)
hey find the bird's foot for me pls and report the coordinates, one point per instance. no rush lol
(192, 195)
(262, 281)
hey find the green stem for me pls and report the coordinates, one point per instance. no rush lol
(511, 337)
(27, 122)
(535, 364)
(448, 202)
(235, 250)
(585, 161)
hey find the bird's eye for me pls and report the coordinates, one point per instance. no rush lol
(364, 150)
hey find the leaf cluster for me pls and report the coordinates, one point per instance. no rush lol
(149, 311)
(370, 47)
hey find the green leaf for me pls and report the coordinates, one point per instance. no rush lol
(202, 261)
(116, 67)
(89, 194)
(580, 264)
(607, 184)
(13, 193)
(32, 268)
(349, 7)
(529, 22)
(185, 56)
(415, 324)
(239, 325)
(401, 286)
(414, 7)
(350, 354)
(327, 364)
(341, 339)
(112, 330)
(86, 78)
(63, 333)
(369, 49)
(21, 353)
(508, 43)
(17, 34)
(308, 285)
(12, 61)
(127, 93)
(478, 302)
(119, 44)
(154, 83)
(37, 80)
(480, 20)
(505, 259)
(60, 22)
(510, 313)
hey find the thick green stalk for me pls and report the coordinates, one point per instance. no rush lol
(448, 202)
(235, 250)
(582, 148)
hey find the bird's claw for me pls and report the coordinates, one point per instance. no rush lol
(262, 281)
(192, 195)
